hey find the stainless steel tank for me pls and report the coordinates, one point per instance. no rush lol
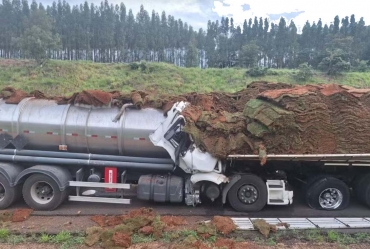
(48, 125)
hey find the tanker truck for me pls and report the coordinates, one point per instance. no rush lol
(50, 153)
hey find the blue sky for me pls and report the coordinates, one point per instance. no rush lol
(198, 12)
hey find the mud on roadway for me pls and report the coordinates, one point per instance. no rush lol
(274, 118)
(144, 228)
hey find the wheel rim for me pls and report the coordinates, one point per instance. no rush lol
(331, 198)
(248, 194)
(42, 192)
(2, 192)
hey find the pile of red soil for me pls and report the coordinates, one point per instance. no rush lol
(223, 224)
(173, 221)
(17, 215)
(12, 96)
(114, 220)
(20, 215)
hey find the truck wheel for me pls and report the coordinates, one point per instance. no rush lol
(249, 194)
(41, 192)
(328, 193)
(311, 180)
(362, 189)
(8, 195)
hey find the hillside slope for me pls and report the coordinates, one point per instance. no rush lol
(66, 77)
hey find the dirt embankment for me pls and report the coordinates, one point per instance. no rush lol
(281, 117)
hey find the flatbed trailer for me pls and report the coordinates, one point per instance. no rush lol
(50, 153)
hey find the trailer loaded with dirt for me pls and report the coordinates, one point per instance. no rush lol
(244, 149)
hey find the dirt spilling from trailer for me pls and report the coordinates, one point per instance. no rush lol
(173, 221)
(116, 231)
(265, 228)
(13, 96)
(121, 239)
(223, 224)
(225, 243)
(146, 222)
(263, 118)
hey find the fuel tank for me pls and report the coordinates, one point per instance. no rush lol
(49, 126)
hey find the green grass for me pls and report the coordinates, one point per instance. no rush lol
(4, 233)
(64, 240)
(66, 77)
(140, 238)
(45, 238)
(16, 239)
(61, 237)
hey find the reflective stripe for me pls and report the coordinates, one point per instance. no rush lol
(29, 132)
(111, 137)
(91, 135)
(4, 130)
(52, 133)
(139, 138)
(72, 134)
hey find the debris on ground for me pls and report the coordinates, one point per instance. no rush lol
(100, 220)
(17, 215)
(263, 227)
(138, 214)
(147, 230)
(283, 224)
(147, 222)
(223, 224)
(122, 239)
(158, 227)
(93, 235)
(5, 216)
(225, 243)
(206, 230)
(145, 212)
(117, 230)
(173, 221)
(264, 118)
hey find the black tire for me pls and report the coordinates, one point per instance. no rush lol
(258, 184)
(30, 196)
(311, 180)
(322, 186)
(362, 189)
(10, 194)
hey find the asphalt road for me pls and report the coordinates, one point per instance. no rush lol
(297, 209)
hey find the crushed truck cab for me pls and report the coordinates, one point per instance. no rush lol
(170, 135)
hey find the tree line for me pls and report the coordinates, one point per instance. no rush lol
(111, 33)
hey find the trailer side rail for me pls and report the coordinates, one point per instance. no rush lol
(330, 158)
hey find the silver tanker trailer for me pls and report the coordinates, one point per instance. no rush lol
(50, 153)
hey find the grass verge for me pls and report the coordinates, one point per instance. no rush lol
(66, 240)
(66, 77)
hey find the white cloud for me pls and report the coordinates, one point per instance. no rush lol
(313, 10)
